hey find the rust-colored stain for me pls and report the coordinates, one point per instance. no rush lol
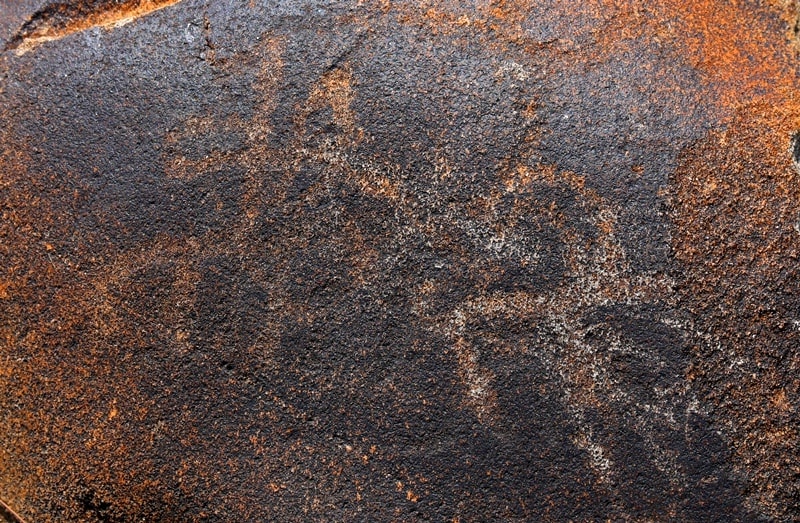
(58, 20)
(400, 261)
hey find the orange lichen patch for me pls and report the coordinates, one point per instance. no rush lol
(733, 46)
(736, 206)
(747, 172)
(59, 20)
(790, 10)
(728, 42)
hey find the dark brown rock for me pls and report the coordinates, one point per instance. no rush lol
(399, 261)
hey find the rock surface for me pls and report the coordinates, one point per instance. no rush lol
(400, 261)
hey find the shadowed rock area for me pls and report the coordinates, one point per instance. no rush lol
(399, 261)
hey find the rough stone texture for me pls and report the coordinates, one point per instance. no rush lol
(400, 261)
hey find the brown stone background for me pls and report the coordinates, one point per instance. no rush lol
(399, 260)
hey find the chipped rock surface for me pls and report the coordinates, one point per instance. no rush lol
(399, 260)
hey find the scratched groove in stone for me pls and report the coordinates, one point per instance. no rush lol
(399, 261)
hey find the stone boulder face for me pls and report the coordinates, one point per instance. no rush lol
(399, 261)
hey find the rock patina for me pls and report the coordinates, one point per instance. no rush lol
(399, 261)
